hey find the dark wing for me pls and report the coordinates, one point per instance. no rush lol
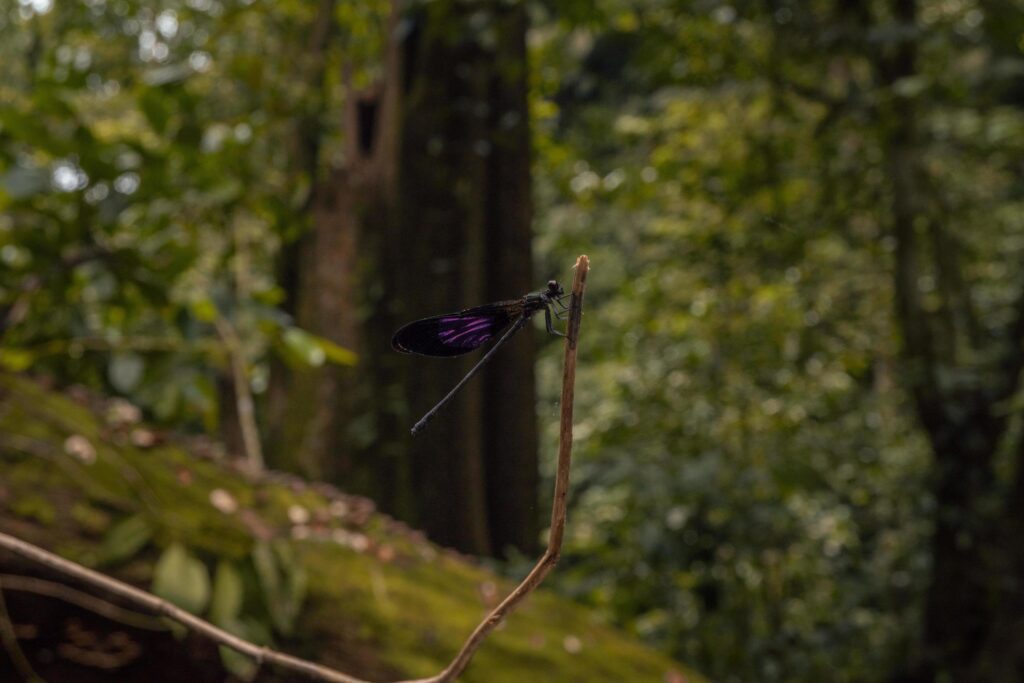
(454, 334)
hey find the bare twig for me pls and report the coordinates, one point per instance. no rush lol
(243, 396)
(544, 565)
(51, 589)
(558, 508)
(163, 608)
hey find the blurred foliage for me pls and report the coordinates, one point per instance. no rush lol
(149, 175)
(751, 488)
(751, 484)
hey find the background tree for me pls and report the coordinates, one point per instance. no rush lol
(429, 211)
(464, 227)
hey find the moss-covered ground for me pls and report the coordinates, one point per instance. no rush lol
(84, 478)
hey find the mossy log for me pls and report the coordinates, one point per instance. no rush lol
(298, 565)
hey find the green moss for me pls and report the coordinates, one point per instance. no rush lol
(52, 412)
(90, 519)
(35, 508)
(403, 616)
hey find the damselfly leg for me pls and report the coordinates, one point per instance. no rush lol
(564, 307)
(547, 323)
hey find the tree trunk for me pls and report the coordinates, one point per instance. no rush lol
(311, 426)
(465, 224)
(510, 418)
(304, 433)
(959, 407)
(431, 214)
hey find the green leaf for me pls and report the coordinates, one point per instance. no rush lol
(283, 582)
(241, 666)
(125, 539)
(225, 192)
(910, 86)
(204, 310)
(180, 578)
(16, 359)
(125, 371)
(334, 353)
(266, 568)
(227, 594)
(155, 107)
(304, 348)
(172, 73)
(167, 401)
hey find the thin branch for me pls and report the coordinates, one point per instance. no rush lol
(244, 405)
(51, 589)
(543, 567)
(163, 608)
(558, 508)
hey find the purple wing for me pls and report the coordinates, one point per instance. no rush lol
(454, 333)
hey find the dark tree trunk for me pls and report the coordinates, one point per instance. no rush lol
(975, 563)
(510, 420)
(317, 273)
(465, 222)
(432, 213)
(311, 426)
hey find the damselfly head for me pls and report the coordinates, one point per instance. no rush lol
(554, 289)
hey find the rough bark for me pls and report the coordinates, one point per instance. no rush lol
(441, 181)
(431, 213)
(510, 421)
(316, 274)
(462, 211)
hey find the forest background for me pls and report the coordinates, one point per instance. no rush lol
(799, 451)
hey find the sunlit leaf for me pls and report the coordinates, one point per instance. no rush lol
(304, 347)
(182, 579)
(227, 594)
(16, 359)
(125, 371)
(335, 353)
(204, 309)
(283, 582)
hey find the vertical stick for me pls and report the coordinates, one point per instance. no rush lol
(243, 396)
(558, 508)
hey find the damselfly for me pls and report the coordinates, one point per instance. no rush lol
(454, 334)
